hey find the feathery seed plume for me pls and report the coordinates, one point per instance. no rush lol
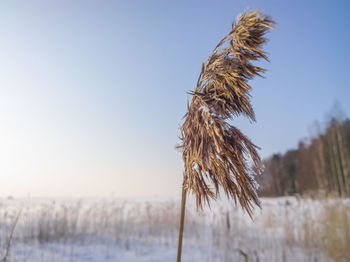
(216, 153)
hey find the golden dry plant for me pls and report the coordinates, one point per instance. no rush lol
(216, 154)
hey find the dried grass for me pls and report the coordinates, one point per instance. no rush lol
(215, 152)
(9, 241)
(333, 233)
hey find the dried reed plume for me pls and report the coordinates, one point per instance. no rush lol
(215, 153)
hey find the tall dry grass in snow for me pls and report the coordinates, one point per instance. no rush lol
(286, 229)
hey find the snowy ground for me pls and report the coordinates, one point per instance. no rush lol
(102, 230)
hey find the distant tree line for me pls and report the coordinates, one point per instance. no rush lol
(320, 166)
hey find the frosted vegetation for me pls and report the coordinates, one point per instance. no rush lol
(286, 229)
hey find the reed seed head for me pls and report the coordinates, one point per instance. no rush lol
(215, 153)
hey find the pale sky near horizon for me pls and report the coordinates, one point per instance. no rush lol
(92, 92)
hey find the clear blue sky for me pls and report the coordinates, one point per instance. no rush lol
(93, 92)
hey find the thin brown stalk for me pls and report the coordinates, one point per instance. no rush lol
(181, 225)
(8, 247)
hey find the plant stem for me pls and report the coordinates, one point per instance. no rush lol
(11, 236)
(181, 228)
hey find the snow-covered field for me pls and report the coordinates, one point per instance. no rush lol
(101, 230)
